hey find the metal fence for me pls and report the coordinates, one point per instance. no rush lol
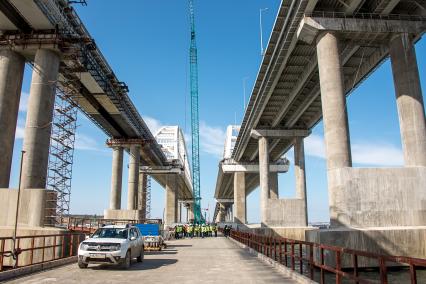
(30, 250)
(319, 261)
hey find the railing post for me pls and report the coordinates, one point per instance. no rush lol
(285, 252)
(383, 271)
(2, 253)
(17, 257)
(44, 245)
(338, 267)
(63, 246)
(311, 260)
(32, 250)
(355, 264)
(322, 263)
(292, 256)
(281, 249)
(413, 274)
(301, 258)
(71, 244)
(54, 247)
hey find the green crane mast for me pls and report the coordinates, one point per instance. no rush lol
(194, 118)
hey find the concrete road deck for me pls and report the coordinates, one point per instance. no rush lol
(210, 260)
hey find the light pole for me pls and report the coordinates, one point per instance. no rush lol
(262, 52)
(244, 93)
(15, 252)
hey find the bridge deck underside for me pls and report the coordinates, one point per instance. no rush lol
(286, 94)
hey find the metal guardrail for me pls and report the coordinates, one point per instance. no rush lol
(365, 16)
(299, 255)
(30, 250)
(90, 225)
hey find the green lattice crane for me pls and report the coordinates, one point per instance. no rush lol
(194, 118)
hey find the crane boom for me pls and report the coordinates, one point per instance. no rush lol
(194, 118)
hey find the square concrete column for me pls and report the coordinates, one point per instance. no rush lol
(222, 212)
(299, 171)
(11, 74)
(273, 182)
(39, 118)
(116, 178)
(133, 182)
(336, 130)
(143, 183)
(409, 100)
(264, 177)
(240, 197)
(190, 212)
(172, 191)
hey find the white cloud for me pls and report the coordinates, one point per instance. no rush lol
(20, 129)
(153, 124)
(364, 153)
(212, 139)
(87, 143)
(314, 146)
(23, 102)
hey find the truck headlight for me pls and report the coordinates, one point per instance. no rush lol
(84, 246)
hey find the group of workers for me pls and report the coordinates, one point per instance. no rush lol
(195, 230)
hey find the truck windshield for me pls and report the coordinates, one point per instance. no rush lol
(115, 233)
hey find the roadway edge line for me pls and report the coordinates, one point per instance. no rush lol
(27, 270)
(282, 269)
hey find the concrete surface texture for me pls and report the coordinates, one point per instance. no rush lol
(240, 198)
(11, 75)
(264, 178)
(39, 118)
(133, 181)
(211, 260)
(172, 192)
(116, 178)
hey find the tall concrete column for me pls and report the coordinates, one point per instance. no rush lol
(11, 75)
(132, 190)
(222, 213)
(299, 170)
(171, 200)
(179, 212)
(336, 130)
(190, 212)
(39, 119)
(240, 197)
(273, 182)
(116, 178)
(264, 177)
(409, 100)
(143, 183)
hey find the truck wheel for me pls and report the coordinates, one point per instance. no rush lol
(127, 261)
(82, 265)
(140, 258)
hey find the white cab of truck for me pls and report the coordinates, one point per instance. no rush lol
(113, 244)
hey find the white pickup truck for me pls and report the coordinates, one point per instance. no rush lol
(113, 245)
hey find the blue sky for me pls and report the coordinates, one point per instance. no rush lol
(147, 42)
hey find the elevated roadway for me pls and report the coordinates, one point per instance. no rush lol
(84, 74)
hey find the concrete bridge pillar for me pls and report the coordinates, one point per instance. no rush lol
(409, 100)
(143, 183)
(299, 170)
(264, 178)
(336, 130)
(221, 213)
(116, 178)
(240, 197)
(39, 119)
(190, 212)
(172, 191)
(11, 75)
(132, 191)
(273, 182)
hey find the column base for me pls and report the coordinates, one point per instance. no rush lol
(398, 241)
(285, 213)
(294, 233)
(124, 214)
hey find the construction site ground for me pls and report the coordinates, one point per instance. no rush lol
(209, 260)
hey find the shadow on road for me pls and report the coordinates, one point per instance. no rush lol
(147, 264)
(178, 246)
(169, 251)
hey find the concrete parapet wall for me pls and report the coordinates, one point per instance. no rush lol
(398, 241)
(37, 255)
(294, 233)
(378, 197)
(285, 213)
(32, 206)
(124, 214)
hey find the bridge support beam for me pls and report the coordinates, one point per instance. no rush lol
(222, 212)
(264, 178)
(39, 118)
(299, 170)
(409, 100)
(240, 198)
(132, 190)
(172, 191)
(11, 75)
(116, 178)
(336, 130)
(274, 190)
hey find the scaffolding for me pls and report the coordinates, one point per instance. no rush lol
(148, 197)
(61, 158)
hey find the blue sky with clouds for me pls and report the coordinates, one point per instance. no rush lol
(147, 42)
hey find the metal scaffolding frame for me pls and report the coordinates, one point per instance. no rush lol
(148, 197)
